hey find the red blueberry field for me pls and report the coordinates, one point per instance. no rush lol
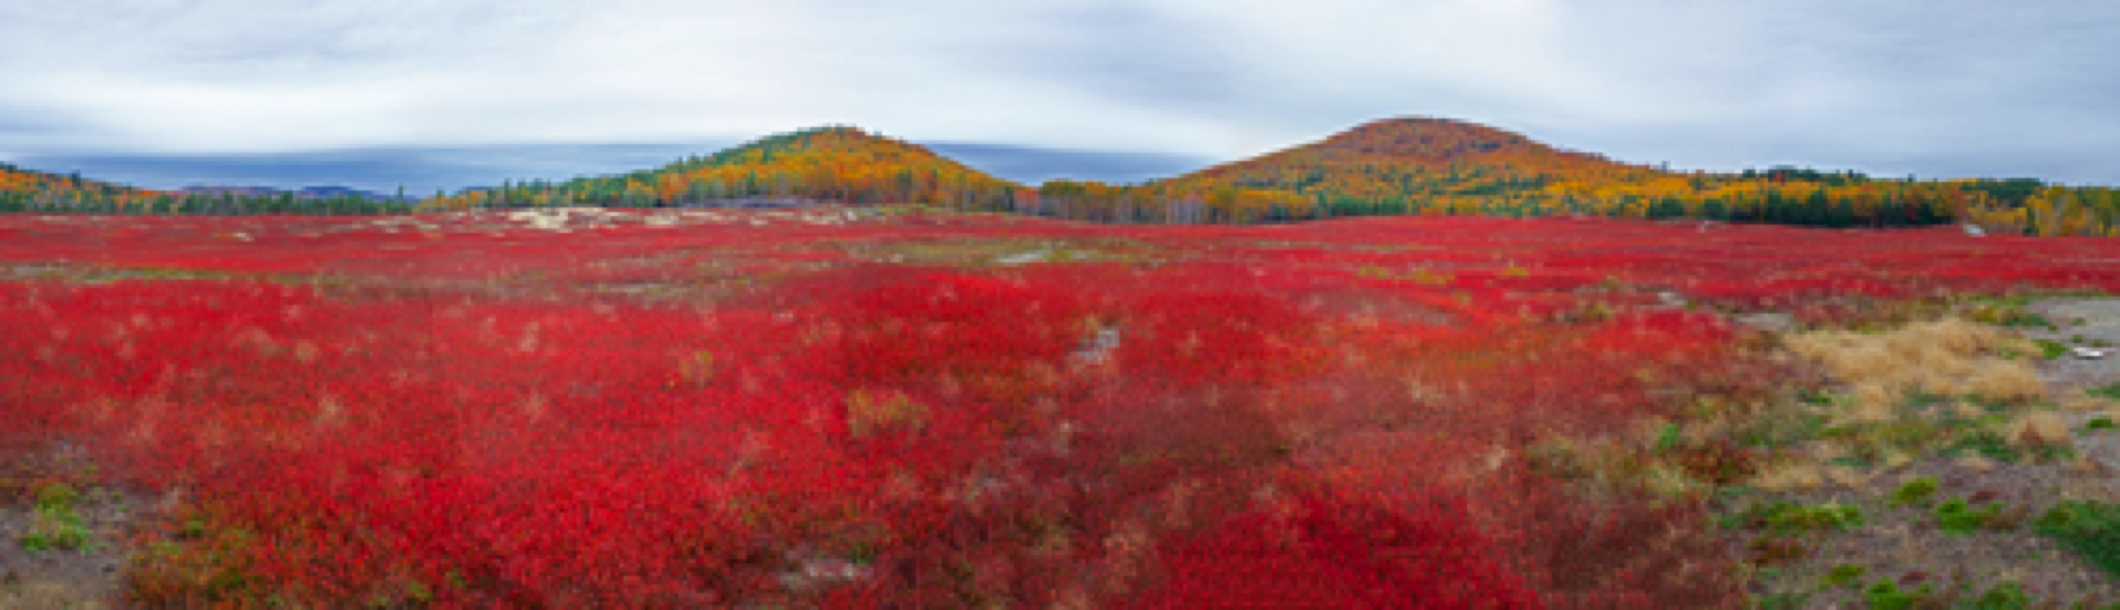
(837, 407)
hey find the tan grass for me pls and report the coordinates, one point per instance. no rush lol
(1799, 476)
(1847, 477)
(2038, 428)
(1873, 405)
(1966, 411)
(1672, 482)
(2022, 346)
(2007, 380)
(1955, 336)
(1894, 459)
(1950, 371)
(1976, 463)
(1940, 357)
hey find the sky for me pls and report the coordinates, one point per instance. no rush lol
(453, 93)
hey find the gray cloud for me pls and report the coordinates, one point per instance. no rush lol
(1030, 165)
(424, 170)
(418, 170)
(1137, 56)
(1935, 87)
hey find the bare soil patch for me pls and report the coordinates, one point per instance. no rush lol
(63, 539)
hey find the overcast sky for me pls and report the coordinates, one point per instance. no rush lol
(459, 92)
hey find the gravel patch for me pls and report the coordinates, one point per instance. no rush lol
(1904, 543)
(85, 577)
(2099, 320)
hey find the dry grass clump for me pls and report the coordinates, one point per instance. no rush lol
(2038, 428)
(1948, 356)
(1894, 409)
(1790, 476)
(2014, 382)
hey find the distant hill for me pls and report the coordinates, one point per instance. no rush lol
(24, 190)
(1433, 166)
(1412, 164)
(834, 163)
(1421, 142)
(304, 193)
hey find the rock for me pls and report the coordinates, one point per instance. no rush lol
(1095, 349)
(1027, 257)
(1773, 322)
(817, 572)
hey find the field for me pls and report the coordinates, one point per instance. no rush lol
(893, 406)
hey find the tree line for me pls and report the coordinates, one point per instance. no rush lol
(1428, 167)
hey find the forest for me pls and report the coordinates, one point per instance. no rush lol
(1393, 167)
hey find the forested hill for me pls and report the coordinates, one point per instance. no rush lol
(1414, 146)
(1432, 166)
(828, 163)
(24, 190)
(1412, 164)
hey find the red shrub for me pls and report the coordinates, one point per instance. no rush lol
(1341, 552)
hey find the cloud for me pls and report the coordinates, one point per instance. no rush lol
(1936, 87)
(27, 129)
(1029, 165)
(418, 170)
(424, 170)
